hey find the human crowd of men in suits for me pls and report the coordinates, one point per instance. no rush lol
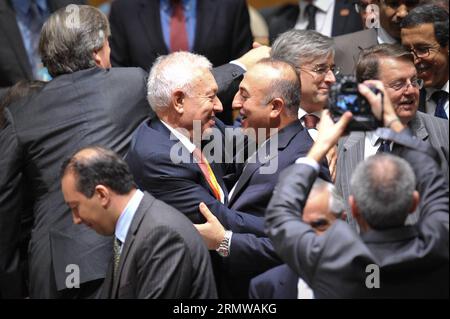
(120, 167)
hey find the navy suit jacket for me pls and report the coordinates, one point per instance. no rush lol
(252, 255)
(277, 283)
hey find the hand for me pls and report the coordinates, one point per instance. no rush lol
(328, 134)
(258, 52)
(332, 162)
(390, 118)
(212, 231)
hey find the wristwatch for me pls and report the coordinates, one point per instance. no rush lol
(224, 246)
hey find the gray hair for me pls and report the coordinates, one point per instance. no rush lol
(170, 72)
(302, 46)
(383, 187)
(287, 86)
(69, 38)
(336, 204)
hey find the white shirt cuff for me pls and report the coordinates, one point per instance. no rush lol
(310, 162)
(239, 64)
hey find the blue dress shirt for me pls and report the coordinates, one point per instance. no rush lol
(190, 13)
(126, 217)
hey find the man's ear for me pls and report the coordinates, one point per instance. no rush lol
(103, 194)
(356, 213)
(415, 201)
(178, 97)
(277, 105)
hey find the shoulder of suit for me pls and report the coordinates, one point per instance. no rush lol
(426, 118)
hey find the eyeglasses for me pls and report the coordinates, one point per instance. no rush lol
(423, 51)
(396, 3)
(323, 69)
(401, 85)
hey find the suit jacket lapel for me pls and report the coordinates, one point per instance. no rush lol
(143, 207)
(206, 15)
(9, 23)
(260, 157)
(418, 128)
(339, 21)
(151, 21)
(355, 146)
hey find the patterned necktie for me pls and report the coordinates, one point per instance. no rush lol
(440, 98)
(310, 121)
(310, 11)
(208, 173)
(385, 146)
(36, 20)
(178, 33)
(116, 250)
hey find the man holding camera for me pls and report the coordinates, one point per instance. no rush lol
(389, 259)
(394, 66)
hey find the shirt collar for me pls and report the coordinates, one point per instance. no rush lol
(23, 6)
(384, 37)
(430, 91)
(322, 5)
(183, 139)
(302, 112)
(373, 137)
(126, 217)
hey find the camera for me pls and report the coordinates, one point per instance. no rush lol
(344, 96)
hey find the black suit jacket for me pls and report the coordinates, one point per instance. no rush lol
(222, 31)
(163, 256)
(277, 283)
(413, 260)
(89, 107)
(14, 64)
(252, 255)
(284, 18)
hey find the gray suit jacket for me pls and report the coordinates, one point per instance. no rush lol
(163, 257)
(349, 45)
(351, 150)
(88, 107)
(413, 260)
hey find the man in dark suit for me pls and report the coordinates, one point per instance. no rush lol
(323, 207)
(394, 66)
(312, 54)
(17, 33)
(86, 103)
(425, 34)
(217, 29)
(329, 17)
(157, 252)
(385, 28)
(267, 100)
(389, 260)
(220, 30)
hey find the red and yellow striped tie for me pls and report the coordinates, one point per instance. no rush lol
(207, 173)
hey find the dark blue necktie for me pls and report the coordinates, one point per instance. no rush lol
(440, 98)
(385, 146)
(310, 11)
(36, 20)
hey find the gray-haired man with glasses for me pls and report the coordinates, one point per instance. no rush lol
(425, 34)
(394, 66)
(313, 56)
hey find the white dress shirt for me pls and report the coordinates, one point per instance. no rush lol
(324, 16)
(431, 105)
(384, 37)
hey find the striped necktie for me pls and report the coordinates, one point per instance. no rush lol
(208, 173)
(116, 250)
